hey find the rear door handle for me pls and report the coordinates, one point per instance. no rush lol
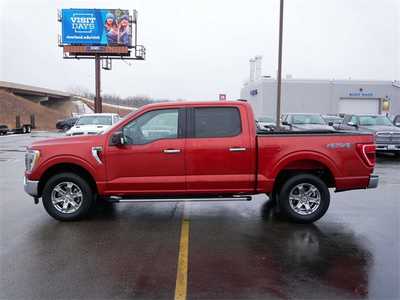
(237, 149)
(172, 151)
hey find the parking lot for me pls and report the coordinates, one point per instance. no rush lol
(235, 250)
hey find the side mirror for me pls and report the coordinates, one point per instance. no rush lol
(117, 139)
(352, 124)
(330, 123)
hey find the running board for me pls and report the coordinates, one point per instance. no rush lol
(115, 199)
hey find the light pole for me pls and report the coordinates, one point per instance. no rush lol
(279, 79)
(98, 107)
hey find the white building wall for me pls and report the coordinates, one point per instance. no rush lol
(305, 96)
(317, 96)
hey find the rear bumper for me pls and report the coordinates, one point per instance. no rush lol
(387, 147)
(31, 187)
(373, 181)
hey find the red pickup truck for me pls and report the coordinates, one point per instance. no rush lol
(182, 151)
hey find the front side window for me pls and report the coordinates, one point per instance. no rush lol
(216, 122)
(151, 126)
(354, 120)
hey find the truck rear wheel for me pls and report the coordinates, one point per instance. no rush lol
(67, 197)
(304, 198)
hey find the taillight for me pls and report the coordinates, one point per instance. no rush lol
(367, 153)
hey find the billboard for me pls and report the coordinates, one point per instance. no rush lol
(106, 27)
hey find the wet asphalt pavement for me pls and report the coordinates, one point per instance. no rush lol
(237, 250)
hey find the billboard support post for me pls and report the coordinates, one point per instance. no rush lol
(279, 79)
(97, 99)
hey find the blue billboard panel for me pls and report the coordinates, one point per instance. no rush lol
(95, 27)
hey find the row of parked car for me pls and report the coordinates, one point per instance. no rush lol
(385, 128)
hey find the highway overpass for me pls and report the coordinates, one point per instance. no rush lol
(34, 93)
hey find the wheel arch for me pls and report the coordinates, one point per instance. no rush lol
(305, 163)
(66, 168)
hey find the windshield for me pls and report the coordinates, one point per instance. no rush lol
(308, 119)
(94, 120)
(374, 120)
(266, 119)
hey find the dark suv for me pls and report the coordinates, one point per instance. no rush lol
(66, 124)
(387, 136)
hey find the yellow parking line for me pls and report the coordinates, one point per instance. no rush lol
(182, 271)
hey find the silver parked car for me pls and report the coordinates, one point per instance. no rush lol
(396, 121)
(266, 123)
(333, 120)
(300, 121)
(387, 136)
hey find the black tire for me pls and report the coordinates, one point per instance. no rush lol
(87, 199)
(23, 129)
(291, 185)
(65, 128)
(28, 129)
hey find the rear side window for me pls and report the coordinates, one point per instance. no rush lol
(216, 122)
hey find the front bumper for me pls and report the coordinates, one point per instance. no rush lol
(31, 187)
(373, 181)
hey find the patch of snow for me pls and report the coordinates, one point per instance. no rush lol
(110, 105)
(82, 108)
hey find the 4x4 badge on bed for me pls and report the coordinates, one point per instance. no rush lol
(339, 145)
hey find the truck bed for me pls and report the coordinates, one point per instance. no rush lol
(333, 152)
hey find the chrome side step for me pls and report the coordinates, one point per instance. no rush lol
(116, 199)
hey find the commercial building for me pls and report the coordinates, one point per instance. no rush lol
(320, 96)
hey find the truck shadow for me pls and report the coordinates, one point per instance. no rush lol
(233, 254)
(319, 254)
(387, 157)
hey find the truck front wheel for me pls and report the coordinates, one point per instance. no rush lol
(304, 198)
(67, 197)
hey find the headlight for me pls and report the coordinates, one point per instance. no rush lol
(31, 157)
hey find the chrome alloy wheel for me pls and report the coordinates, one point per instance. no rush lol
(304, 198)
(67, 197)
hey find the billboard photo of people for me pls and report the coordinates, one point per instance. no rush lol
(96, 27)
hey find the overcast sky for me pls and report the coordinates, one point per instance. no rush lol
(197, 49)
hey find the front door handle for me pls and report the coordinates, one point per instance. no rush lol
(172, 151)
(237, 149)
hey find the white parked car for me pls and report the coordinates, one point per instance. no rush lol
(93, 123)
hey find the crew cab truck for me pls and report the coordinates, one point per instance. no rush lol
(199, 151)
